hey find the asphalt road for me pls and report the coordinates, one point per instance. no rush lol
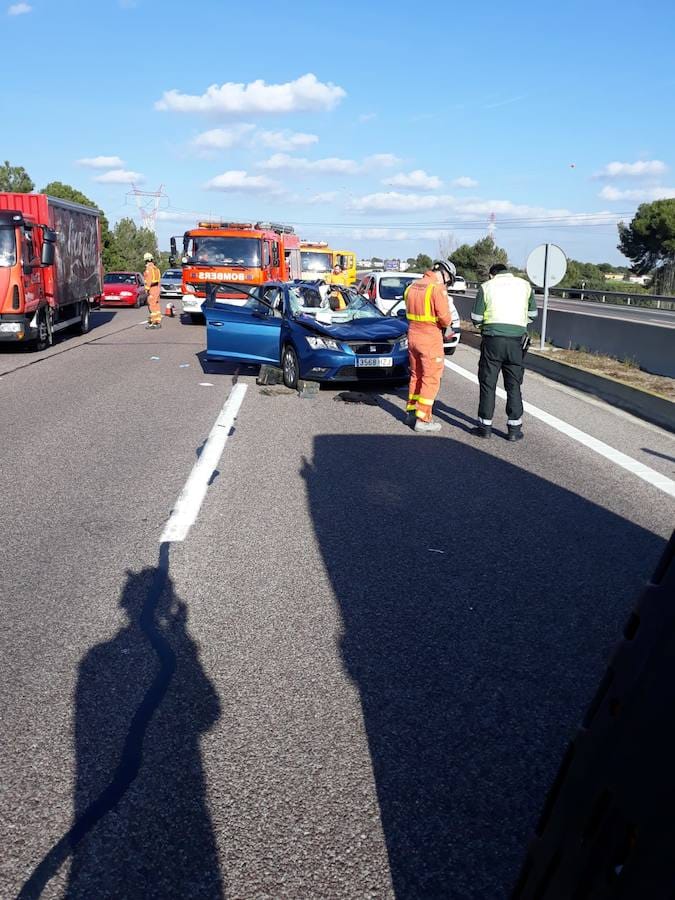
(663, 317)
(356, 676)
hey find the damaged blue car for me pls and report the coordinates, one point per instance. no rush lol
(310, 330)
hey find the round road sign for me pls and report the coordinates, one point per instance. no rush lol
(546, 260)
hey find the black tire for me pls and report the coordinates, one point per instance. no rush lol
(290, 367)
(138, 301)
(196, 318)
(84, 324)
(450, 351)
(45, 336)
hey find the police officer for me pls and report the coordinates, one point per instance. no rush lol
(504, 307)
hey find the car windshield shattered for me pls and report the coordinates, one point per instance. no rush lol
(331, 304)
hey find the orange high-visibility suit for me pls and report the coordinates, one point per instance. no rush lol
(152, 276)
(428, 314)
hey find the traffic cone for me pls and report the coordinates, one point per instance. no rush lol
(169, 310)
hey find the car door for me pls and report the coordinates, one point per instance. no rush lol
(250, 333)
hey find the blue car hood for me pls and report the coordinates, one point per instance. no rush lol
(360, 330)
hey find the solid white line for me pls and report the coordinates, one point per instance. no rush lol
(651, 476)
(192, 496)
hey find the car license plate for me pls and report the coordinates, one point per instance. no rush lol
(111, 296)
(384, 362)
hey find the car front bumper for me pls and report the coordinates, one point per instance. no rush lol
(326, 365)
(191, 304)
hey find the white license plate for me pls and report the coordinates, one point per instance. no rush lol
(112, 297)
(377, 362)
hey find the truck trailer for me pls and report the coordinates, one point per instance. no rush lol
(50, 267)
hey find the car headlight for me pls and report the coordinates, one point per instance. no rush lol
(190, 289)
(317, 343)
(403, 344)
(126, 293)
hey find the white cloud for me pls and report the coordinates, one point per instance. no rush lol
(418, 178)
(286, 140)
(222, 138)
(465, 182)
(332, 165)
(305, 94)
(19, 9)
(646, 168)
(637, 195)
(472, 210)
(386, 160)
(240, 180)
(119, 176)
(101, 162)
(367, 117)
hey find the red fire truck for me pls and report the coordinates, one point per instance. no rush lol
(234, 253)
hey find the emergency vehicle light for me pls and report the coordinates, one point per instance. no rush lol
(225, 225)
(274, 226)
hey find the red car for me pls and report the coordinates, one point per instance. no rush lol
(124, 289)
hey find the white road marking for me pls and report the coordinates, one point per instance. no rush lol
(192, 496)
(651, 476)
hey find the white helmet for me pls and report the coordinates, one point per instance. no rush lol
(148, 257)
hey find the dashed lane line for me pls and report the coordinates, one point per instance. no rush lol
(651, 476)
(192, 496)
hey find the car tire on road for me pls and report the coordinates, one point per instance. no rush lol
(138, 301)
(449, 351)
(290, 367)
(196, 318)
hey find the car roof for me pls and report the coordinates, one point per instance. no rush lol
(384, 274)
(119, 272)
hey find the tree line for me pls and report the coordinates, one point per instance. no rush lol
(123, 245)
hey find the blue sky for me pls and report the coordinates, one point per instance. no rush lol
(374, 130)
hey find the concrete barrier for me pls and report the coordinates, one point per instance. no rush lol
(651, 346)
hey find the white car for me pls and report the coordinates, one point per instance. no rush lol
(385, 290)
(459, 286)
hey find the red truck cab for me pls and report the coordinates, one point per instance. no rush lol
(236, 253)
(50, 266)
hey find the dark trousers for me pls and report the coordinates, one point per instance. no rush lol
(505, 355)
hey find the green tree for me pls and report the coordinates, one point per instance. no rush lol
(421, 263)
(473, 261)
(15, 179)
(649, 242)
(129, 244)
(66, 192)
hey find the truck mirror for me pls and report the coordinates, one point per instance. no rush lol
(47, 256)
(172, 261)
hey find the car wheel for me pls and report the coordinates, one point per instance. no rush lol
(290, 367)
(83, 325)
(138, 302)
(196, 318)
(450, 351)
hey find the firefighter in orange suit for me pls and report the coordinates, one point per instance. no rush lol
(428, 314)
(152, 276)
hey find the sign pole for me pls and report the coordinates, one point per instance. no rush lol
(542, 344)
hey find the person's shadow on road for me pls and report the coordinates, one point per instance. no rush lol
(143, 701)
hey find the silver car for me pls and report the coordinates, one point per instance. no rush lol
(170, 284)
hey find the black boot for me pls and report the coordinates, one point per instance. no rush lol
(515, 433)
(482, 431)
